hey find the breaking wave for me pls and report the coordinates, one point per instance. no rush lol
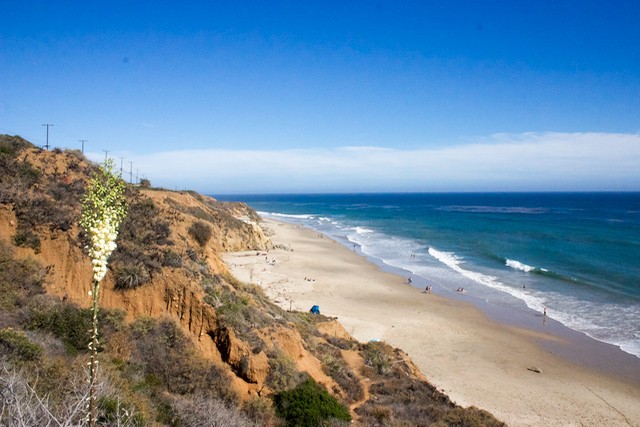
(517, 265)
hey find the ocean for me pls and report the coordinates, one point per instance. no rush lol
(577, 254)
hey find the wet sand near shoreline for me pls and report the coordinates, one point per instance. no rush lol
(473, 359)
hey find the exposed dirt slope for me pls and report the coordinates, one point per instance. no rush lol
(175, 292)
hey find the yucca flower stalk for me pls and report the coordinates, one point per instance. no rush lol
(103, 209)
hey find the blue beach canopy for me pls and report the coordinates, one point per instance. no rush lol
(315, 309)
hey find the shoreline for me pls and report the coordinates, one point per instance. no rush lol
(578, 347)
(475, 359)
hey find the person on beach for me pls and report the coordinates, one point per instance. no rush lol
(409, 280)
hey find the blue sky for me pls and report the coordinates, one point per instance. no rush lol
(305, 96)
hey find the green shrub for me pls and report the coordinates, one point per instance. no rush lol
(309, 405)
(70, 323)
(16, 345)
(201, 232)
(67, 322)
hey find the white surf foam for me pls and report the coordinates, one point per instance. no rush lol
(363, 230)
(603, 322)
(517, 265)
(455, 263)
(615, 324)
(324, 219)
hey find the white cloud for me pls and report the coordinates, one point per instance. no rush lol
(501, 162)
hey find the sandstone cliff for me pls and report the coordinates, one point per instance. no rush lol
(168, 266)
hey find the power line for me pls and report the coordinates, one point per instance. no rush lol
(106, 156)
(46, 146)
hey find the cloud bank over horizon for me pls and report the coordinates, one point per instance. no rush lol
(548, 161)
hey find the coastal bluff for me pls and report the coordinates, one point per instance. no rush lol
(179, 333)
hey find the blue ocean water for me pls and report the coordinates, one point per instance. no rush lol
(578, 254)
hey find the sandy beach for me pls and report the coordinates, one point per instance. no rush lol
(474, 360)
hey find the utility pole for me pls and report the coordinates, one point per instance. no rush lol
(83, 141)
(137, 176)
(46, 147)
(130, 172)
(105, 155)
(121, 160)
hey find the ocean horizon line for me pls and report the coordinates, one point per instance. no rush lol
(356, 193)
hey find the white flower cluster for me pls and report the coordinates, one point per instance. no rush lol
(103, 243)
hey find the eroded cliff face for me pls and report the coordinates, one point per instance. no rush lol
(174, 292)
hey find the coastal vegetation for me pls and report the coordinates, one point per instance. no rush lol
(103, 208)
(182, 342)
(309, 404)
